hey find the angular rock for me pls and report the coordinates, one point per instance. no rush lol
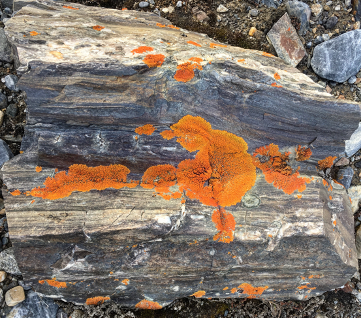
(2, 276)
(302, 11)
(270, 3)
(35, 306)
(8, 51)
(316, 9)
(12, 110)
(222, 9)
(354, 193)
(10, 82)
(5, 152)
(8, 262)
(3, 101)
(345, 176)
(15, 296)
(331, 22)
(286, 41)
(254, 12)
(353, 144)
(143, 4)
(133, 243)
(340, 58)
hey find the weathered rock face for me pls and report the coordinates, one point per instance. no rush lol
(90, 90)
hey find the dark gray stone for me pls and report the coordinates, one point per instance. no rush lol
(3, 101)
(345, 176)
(61, 314)
(35, 306)
(8, 51)
(5, 152)
(143, 4)
(11, 81)
(338, 59)
(7, 3)
(331, 22)
(271, 3)
(318, 40)
(309, 45)
(302, 11)
(12, 110)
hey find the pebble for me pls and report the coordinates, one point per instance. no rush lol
(348, 3)
(352, 79)
(331, 22)
(12, 110)
(252, 31)
(316, 9)
(202, 16)
(5, 155)
(344, 176)
(2, 276)
(222, 9)
(325, 37)
(179, 4)
(61, 314)
(318, 40)
(329, 3)
(337, 8)
(327, 8)
(354, 192)
(143, 4)
(14, 296)
(77, 314)
(309, 45)
(254, 12)
(328, 89)
(3, 101)
(329, 58)
(8, 262)
(342, 162)
(1, 117)
(354, 142)
(151, 2)
(171, 9)
(11, 81)
(165, 10)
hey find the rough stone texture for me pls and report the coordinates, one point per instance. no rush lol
(2, 276)
(316, 9)
(286, 41)
(14, 296)
(8, 52)
(340, 58)
(35, 306)
(5, 152)
(85, 100)
(8, 262)
(345, 176)
(10, 82)
(302, 11)
(3, 101)
(354, 143)
(354, 193)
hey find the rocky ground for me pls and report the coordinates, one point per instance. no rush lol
(228, 22)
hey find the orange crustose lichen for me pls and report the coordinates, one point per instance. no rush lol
(326, 163)
(15, 192)
(97, 27)
(82, 178)
(196, 59)
(147, 304)
(154, 60)
(160, 25)
(96, 300)
(276, 85)
(276, 170)
(303, 153)
(251, 291)
(38, 169)
(53, 282)
(214, 45)
(142, 49)
(241, 60)
(125, 281)
(173, 27)
(267, 54)
(68, 7)
(145, 130)
(277, 76)
(194, 43)
(33, 33)
(185, 71)
(225, 224)
(199, 293)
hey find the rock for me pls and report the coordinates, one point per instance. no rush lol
(345, 176)
(358, 242)
(354, 192)
(3, 101)
(342, 162)
(8, 51)
(347, 3)
(331, 22)
(328, 89)
(34, 306)
(286, 42)
(5, 153)
(222, 9)
(61, 314)
(1, 117)
(12, 110)
(318, 40)
(326, 8)
(316, 9)
(337, 8)
(329, 3)
(254, 12)
(179, 4)
(143, 4)
(309, 45)
(8, 262)
(165, 10)
(86, 109)
(171, 9)
(10, 82)
(77, 314)
(357, 25)
(354, 142)
(325, 37)
(252, 31)
(338, 59)
(2, 276)
(202, 16)
(151, 2)
(352, 79)
(15, 296)
(302, 11)
(271, 3)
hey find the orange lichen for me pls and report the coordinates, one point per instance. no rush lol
(276, 170)
(41, 282)
(97, 27)
(302, 153)
(196, 59)
(69, 7)
(15, 192)
(194, 43)
(54, 283)
(147, 304)
(38, 168)
(302, 277)
(251, 291)
(330, 188)
(160, 25)
(334, 222)
(267, 54)
(325, 183)
(167, 134)
(306, 287)
(185, 71)
(276, 85)
(173, 27)
(96, 300)
(225, 288)
(82, 178)
(199, 293)
(326, 163)
(142, 49)
(314, 276)
(214, 45)
(125, 281)
(32, 201)
(233, 290)
(241, 60)
(56, 170)
(160, 177)
(33, 33)
(225, 224)
(154, 60)
(145, 130)
(330, 197)
(277, 76)
(299, 196)
(124, 9)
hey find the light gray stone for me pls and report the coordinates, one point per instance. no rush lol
(352, 79)
(11, 81)
(179, 4)
(222, 9)
(325, 37)
(354, 143)
(316, 9)
(8, 262)
(5, 153)
(15, 296)
(338, 59)
(302, 11)
(143, 4)
(254, 12)
(354, 193)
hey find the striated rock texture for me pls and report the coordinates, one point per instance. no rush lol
(158, 164)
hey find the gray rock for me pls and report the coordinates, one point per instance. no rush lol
(271, 3)
(77, 313)
(338, 59)
(11, 81)
(202, 16)
(309, 45)
(354, 143)
(61, 314)
(318, 40)
(35, 306)
(325, 37)
(302, 11)
(3, 101)
(222, 9)
(5, 152)
(8, 52)
(179, 4)
(329, 3)
(143, 4)
(8, 262)
(152, 2)
(254, 12)
(352, 79)
(7, 3)
(337, 8)
(348, 3)
(331, 22)
(316, 9)
(345, 176)
(12, 110)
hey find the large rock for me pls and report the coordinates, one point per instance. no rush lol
(302, 11)
(89, 93)
(340, 58)
(8, 52)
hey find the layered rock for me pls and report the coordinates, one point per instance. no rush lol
(159, 164)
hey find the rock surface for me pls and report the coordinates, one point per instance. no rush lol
(15, 296)
(87, 97)
(302, 11)
(8, 262)
(5, 153)
(329, 58)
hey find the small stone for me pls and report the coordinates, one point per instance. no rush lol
(354, 142)
(202, 16)
(342, 162)
(8, 262)
(3, 101)
(254, 12)
(328, 89)
(4, 241)
(171, 9)
(358, 242)
(222, 9)
(77, 314)
(327, 8)
(226, 313)
(337, 8)
(1, 117)
(143, 4)
(179, 4)
(252, 31)
(325, 37)
(165, 10)
(331, 22)
(309, 45)
(61, 314)
(12, 110)
(348, 3)
(329, 3)
(2, 276)
(250, 200)
(352, 79)
(357, 25)
(345, 176)
(354, 192)
(318, 40)
(316, 9)
(314, 30)
(11, 81)
(14, 296)
(151, 2)
(218, 18)
(302, 11)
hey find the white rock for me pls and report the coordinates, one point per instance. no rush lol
(337, 8)
(171, 9)
(354, 143)
(14, 296)
(316, 9)
(222, 9)
(165, 10)
(179, 4)
(354, 192)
